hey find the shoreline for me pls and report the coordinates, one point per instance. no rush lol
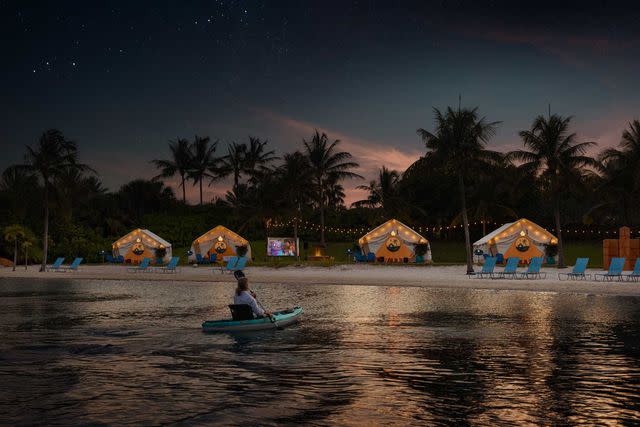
(450, 277)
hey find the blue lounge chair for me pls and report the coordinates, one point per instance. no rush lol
(234, 264)
(213, 258)
(56, 265)
(201, 260)
(615, 270)
(487, 268)
(371, 257)
(120, 259)
(110, 259)
(634, 276)
(533, 271)
(578, 272)
(358, 257)
(172, 267)
(142, 267)
(73, 266)
(510, 269)
(500, 258)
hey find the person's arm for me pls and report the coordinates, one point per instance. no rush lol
(257, 310)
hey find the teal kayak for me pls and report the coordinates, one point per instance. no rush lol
(279, 319)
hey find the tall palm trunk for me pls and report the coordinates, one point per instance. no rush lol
(45, 237)
(465, 224)
(184, 193)
(26, 258)
(556, 214)
(200, 191)
(15, 252)
(322, 240)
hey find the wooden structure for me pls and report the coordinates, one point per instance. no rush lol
(623, 247)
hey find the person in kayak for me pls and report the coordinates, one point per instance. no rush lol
(244, 295)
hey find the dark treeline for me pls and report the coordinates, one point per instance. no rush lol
(552, 180)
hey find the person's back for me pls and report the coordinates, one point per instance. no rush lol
(244, 296)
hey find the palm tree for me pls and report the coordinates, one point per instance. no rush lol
(26, 244)
(383, 192)
(458, 145)
(52, 156)
(233, 163)
(327, 168)
(179, 163)
(620, 176)
(13, 233)
(203, 161)
(256, 158)
(557, 159)
(295, 184)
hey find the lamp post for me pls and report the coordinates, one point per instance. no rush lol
(102, 253)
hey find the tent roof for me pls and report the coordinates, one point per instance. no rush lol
(392, 222)
(152, 235)
(493, 234)
(220, 229)
(512, 227)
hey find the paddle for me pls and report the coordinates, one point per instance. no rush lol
(271, 317)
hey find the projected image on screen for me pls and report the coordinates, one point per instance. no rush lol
(282, 246)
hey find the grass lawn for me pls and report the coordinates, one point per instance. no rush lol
(444, 252)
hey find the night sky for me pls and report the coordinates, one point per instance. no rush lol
(122, 78)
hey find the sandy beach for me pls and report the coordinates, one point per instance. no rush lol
(357, 274)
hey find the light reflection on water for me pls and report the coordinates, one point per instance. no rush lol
(132, 352)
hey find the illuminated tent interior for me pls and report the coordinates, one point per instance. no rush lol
(140, 244)
(523, 239)
(393, 241)
(220, 241)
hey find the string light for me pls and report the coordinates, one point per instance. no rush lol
(309, 226)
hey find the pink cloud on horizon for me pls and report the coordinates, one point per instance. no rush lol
(371, 155)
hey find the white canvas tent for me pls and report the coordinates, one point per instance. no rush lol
(393, 241)
(219, 240)
(139, 244)
(522, 238)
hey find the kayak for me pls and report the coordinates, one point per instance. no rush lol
(279, 319)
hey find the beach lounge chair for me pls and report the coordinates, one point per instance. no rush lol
(615, 270)
(510, 269)
(110, 259)
(533, 271)
(201, 260)
(358, 257)
(634, 276)
(234, 264)
(120, 259)
(371, 257)
(171, 267)
(73, 266)
(56, 265)
(578, 272)
(213, 258)
(142, 267)
(487, 268)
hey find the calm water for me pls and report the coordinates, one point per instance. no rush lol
(132, 352)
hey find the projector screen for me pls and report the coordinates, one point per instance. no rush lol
(282, 246)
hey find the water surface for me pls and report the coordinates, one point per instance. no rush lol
(116, 352)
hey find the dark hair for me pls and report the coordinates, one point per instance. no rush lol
(243, 285)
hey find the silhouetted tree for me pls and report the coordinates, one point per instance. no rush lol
(179, 163)
(458, 144)
(328, 167)
(557, 159)
(51, 157)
